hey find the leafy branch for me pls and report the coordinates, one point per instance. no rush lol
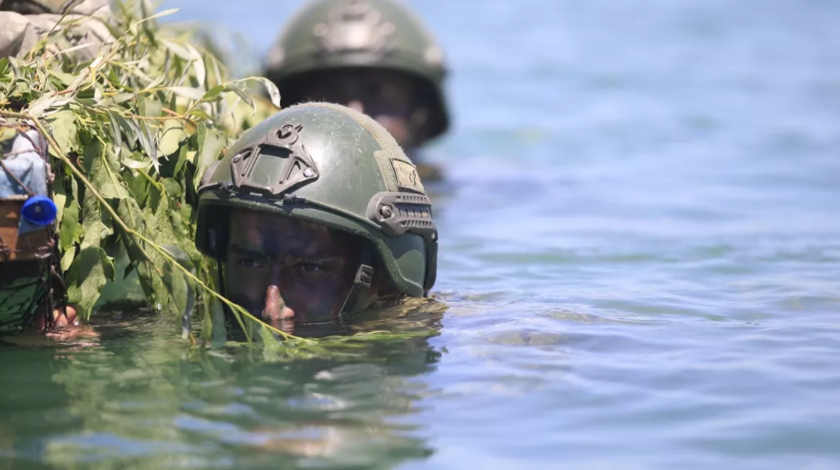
(130, 133)
(128, 230)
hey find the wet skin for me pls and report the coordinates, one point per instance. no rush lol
(284, 270)
(391, 98)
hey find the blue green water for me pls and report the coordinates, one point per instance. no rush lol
(640, 255)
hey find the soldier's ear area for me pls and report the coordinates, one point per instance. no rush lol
(419, 121)
(382, 288)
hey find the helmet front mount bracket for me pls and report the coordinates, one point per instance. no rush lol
(282, 143)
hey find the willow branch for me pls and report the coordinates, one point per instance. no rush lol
(162, 251)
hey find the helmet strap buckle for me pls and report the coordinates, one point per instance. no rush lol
(363, 280)
(364, 276)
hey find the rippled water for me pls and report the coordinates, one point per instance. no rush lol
(640, 256)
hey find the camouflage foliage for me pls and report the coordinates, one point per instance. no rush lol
(130, 129)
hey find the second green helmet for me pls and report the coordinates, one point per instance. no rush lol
(383, 34)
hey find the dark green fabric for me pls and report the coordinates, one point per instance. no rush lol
(22, 291)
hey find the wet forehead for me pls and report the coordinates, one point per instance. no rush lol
(276, 235)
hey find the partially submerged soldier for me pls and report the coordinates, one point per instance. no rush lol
(315, 215)
(30, 283)
(374, 56)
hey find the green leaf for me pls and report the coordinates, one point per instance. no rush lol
(160, 14)
(242, 92)
(147, 141)
(213, 93)
(168, 287)
(7, 133)
(93, 225)
(270, 87)
(135, 164)
(159, 222)
(171, 136)
(199, 115)
(149, 107)
(138, 185)
(60, 199)
(129, 211)
(62, 78)
(186, 212)
(103, 173)
(210, 145)
(87, 275)
(178, 289)
(198, 66)
(67, 261)
(41, 104)
(172, 187)
(64, 131)
(122, 98)
(157, 81)
(129, 133)
(95, 232)
(186, 92)
(181, 163)
(179, 50)
(71, 229)
(116, 132)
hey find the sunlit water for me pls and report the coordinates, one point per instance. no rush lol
(640, 255)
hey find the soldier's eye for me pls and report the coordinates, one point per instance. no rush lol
(252, 263)
(311, 268)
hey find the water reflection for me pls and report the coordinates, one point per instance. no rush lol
(142, 398)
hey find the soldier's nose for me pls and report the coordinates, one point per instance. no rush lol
(357, 105)
(275, 307)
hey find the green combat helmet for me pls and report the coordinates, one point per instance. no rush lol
(327, 164)
(380, 34)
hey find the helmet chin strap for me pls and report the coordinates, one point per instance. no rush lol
(221, 286)
(362, 281)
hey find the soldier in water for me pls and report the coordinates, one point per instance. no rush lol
(314, 215)
(374, 56)
(30, 284)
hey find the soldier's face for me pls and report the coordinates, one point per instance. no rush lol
(387, 96)
(285, 270)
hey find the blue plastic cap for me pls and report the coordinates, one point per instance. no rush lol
(40, 210)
